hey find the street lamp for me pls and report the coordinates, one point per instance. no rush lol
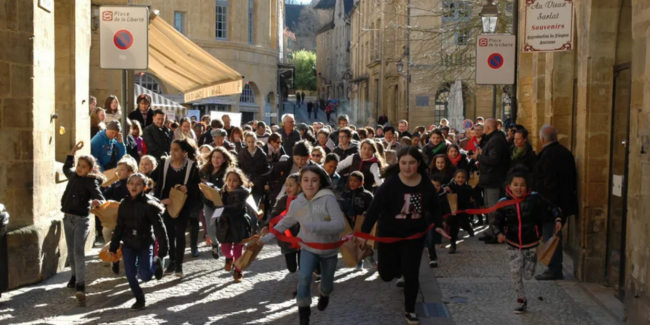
(400, 66)
(489, 15)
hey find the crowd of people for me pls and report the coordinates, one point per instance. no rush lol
(317, 180)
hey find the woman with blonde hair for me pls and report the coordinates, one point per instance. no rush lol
(97, 117)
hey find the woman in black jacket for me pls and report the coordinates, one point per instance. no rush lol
(522, 153)
(404, 205)
(180, 171)
(213, 174)
(136, 216)
(253, 162)
(520, 226)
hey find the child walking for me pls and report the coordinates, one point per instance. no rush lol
(137, 215)
(81, 194)
(234, 225)
(355, 202)
(465, 194)
(520, 225)
(434, 238)
(291, 253)
(321, 221)
(117, 191)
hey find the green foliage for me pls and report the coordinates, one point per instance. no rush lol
(305, 70)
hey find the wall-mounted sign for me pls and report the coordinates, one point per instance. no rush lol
(124, 37)
(549, 26)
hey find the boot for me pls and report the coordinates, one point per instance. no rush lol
(81, 293)
(323, 301)
(304, 312)
(72, 282)
(139, 303)
(116, 267)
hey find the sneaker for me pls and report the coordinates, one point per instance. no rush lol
(228, 266)
(238, 276)
(412, 319)
(549, 276)
(433, 263)
(521, 306)
(116, 267)
(323, 301)
(170, 268)
(72, 283)
(452, 249)
(178, 272)
(81, 293)
(158, 273)
(138, 305)
(215, 252)
(195, 252)
(400, 282)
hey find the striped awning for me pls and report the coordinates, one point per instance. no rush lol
(158, 101)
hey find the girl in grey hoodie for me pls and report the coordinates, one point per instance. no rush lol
(321, 221)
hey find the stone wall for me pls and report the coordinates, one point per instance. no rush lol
(29, 143)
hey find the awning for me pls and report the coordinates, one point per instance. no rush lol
(186, 66)
(157, 100)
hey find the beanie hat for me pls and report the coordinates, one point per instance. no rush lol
(114, 125)
(218, 133)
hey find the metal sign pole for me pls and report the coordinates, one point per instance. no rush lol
(124, 102)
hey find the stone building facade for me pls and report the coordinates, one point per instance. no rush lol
(44, 92)
(432, 61)
(596, 96)
(333, 51)
(246, 42)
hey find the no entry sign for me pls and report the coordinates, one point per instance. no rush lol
(124, 37)
(495, 59)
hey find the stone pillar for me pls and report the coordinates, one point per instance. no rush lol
(28, 177)
(538, 98)
(559, 94)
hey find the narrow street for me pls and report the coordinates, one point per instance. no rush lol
(473, 286)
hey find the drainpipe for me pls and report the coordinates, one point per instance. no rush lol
(408, 59)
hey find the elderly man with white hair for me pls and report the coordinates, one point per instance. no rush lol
(555, 178)
(289, 133)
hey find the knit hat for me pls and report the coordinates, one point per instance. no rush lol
(114, 125)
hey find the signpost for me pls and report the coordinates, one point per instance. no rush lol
(495, 59)
(549, 26)
(124, 42)
(124, 37)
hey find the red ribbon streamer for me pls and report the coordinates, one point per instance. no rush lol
(385, 240)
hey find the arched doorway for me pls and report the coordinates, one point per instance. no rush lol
(249, 102)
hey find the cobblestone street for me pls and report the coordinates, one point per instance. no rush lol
(474, 285)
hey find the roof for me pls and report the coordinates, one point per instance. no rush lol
(291, 16)
(326, 27)
(330, 4)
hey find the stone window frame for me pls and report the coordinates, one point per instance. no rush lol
(247, 95)
(454, 11)
(179, 27)
(222, 19)
(251, 22)
(148, 81)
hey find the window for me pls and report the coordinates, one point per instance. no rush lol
(179, 21)
(463, 36)
(247, 95)
(149, 82)
(251, 21)
(459, 35)
(442, 103)
(456, 11)
(221, 29)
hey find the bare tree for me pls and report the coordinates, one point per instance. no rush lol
(308, 22)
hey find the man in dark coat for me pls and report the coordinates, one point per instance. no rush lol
(144, 114)
(289, 133)
(555, 178)
(206, 137)
(493, 158)
(310, 107)
(157, 137)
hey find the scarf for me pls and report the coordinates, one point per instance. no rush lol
(273, 151)
(282, 215)
(457, 160)
(438, 148)
(518, 153)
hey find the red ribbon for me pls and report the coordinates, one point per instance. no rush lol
(385, 240)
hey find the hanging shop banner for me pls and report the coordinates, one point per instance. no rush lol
(549, 26)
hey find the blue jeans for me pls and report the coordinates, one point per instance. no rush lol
(308, 263)
(555, 266)
(138, 263)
